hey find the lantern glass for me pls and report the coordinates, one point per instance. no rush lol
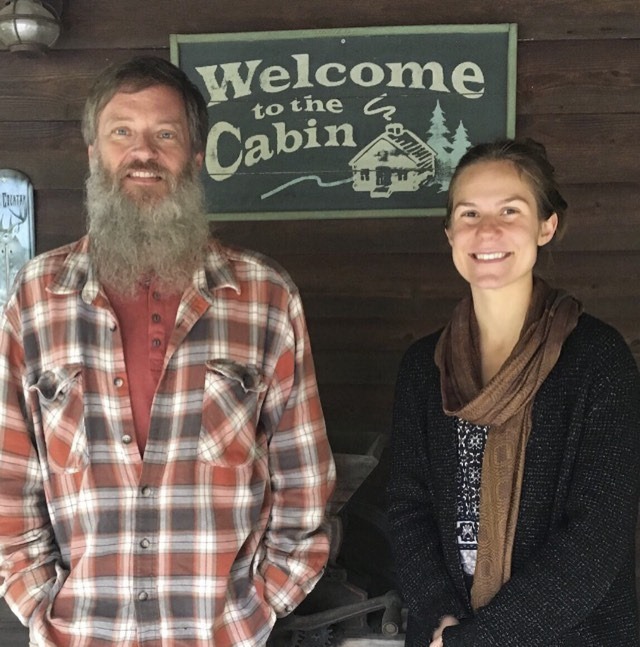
(26, 25)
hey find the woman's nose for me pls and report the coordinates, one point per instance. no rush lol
(488, 226)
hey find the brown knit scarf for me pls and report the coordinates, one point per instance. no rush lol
(505, 404)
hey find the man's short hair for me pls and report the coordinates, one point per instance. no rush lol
(138, 74)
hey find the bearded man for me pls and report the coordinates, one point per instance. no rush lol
(164, 464)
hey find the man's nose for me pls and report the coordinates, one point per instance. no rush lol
(144, 147)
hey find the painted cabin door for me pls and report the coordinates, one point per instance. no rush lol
(383, 176)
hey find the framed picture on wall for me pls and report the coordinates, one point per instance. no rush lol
(17, 228)
(346, 123)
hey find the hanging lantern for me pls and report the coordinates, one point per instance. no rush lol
(30, 26)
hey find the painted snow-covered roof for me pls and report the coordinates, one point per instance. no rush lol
(405, 141)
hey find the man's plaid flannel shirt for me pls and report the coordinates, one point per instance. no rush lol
(220, 528)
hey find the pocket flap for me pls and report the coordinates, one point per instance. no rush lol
(248, 376)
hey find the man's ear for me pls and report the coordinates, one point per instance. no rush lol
(199, 159)
(547, 229)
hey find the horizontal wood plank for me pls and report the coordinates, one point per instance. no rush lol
(51, 154)
(565, 77)
(115, 24)
(349, 409)
(394, 332)
(54, 87)
(579, 77)
(380, 367)
(585, 149)
(601, 217)
(589, 274)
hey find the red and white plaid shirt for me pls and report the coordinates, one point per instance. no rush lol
(220, 527)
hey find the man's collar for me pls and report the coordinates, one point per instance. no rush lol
(216, 273)
(78, 273)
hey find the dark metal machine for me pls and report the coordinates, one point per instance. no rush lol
(355, 603)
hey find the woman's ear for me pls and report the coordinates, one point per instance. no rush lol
(547, 229)
(448, 234)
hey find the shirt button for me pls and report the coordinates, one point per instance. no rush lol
(118, 381)
(126, 439)
(156, 296)
(145, 543)
(155, 317)
(143, 595)
(156, 342)
(145, 491)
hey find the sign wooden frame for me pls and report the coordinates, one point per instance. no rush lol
(346, 123)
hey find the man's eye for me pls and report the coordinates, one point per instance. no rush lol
(120, 131)
(166, 134)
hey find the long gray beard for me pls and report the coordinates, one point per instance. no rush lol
(131, 241)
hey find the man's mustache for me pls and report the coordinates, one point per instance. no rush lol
(149, 167)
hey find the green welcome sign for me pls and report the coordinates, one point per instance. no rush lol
(346, 123)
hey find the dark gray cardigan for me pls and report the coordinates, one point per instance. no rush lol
(573, 576)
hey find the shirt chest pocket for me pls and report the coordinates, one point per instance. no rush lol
(59, 401)
(233, 394)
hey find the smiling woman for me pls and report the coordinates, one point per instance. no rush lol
(495, 229)
(514, 483)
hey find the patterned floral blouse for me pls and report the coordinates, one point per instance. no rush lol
(471, 442)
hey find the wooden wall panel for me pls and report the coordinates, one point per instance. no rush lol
(599, 149)
(585, 76)
(571, 77)
(51, 153)
(590, 149)
(123, 24)
(54, 87)
(370, 287)
(600, 218)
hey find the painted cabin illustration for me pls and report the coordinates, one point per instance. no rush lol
(396, 160)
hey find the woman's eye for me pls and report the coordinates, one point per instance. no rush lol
(120, 131)
(469, 214)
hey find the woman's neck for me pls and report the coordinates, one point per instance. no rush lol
(500, 315)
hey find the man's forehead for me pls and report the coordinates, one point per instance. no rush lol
(162, 97)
